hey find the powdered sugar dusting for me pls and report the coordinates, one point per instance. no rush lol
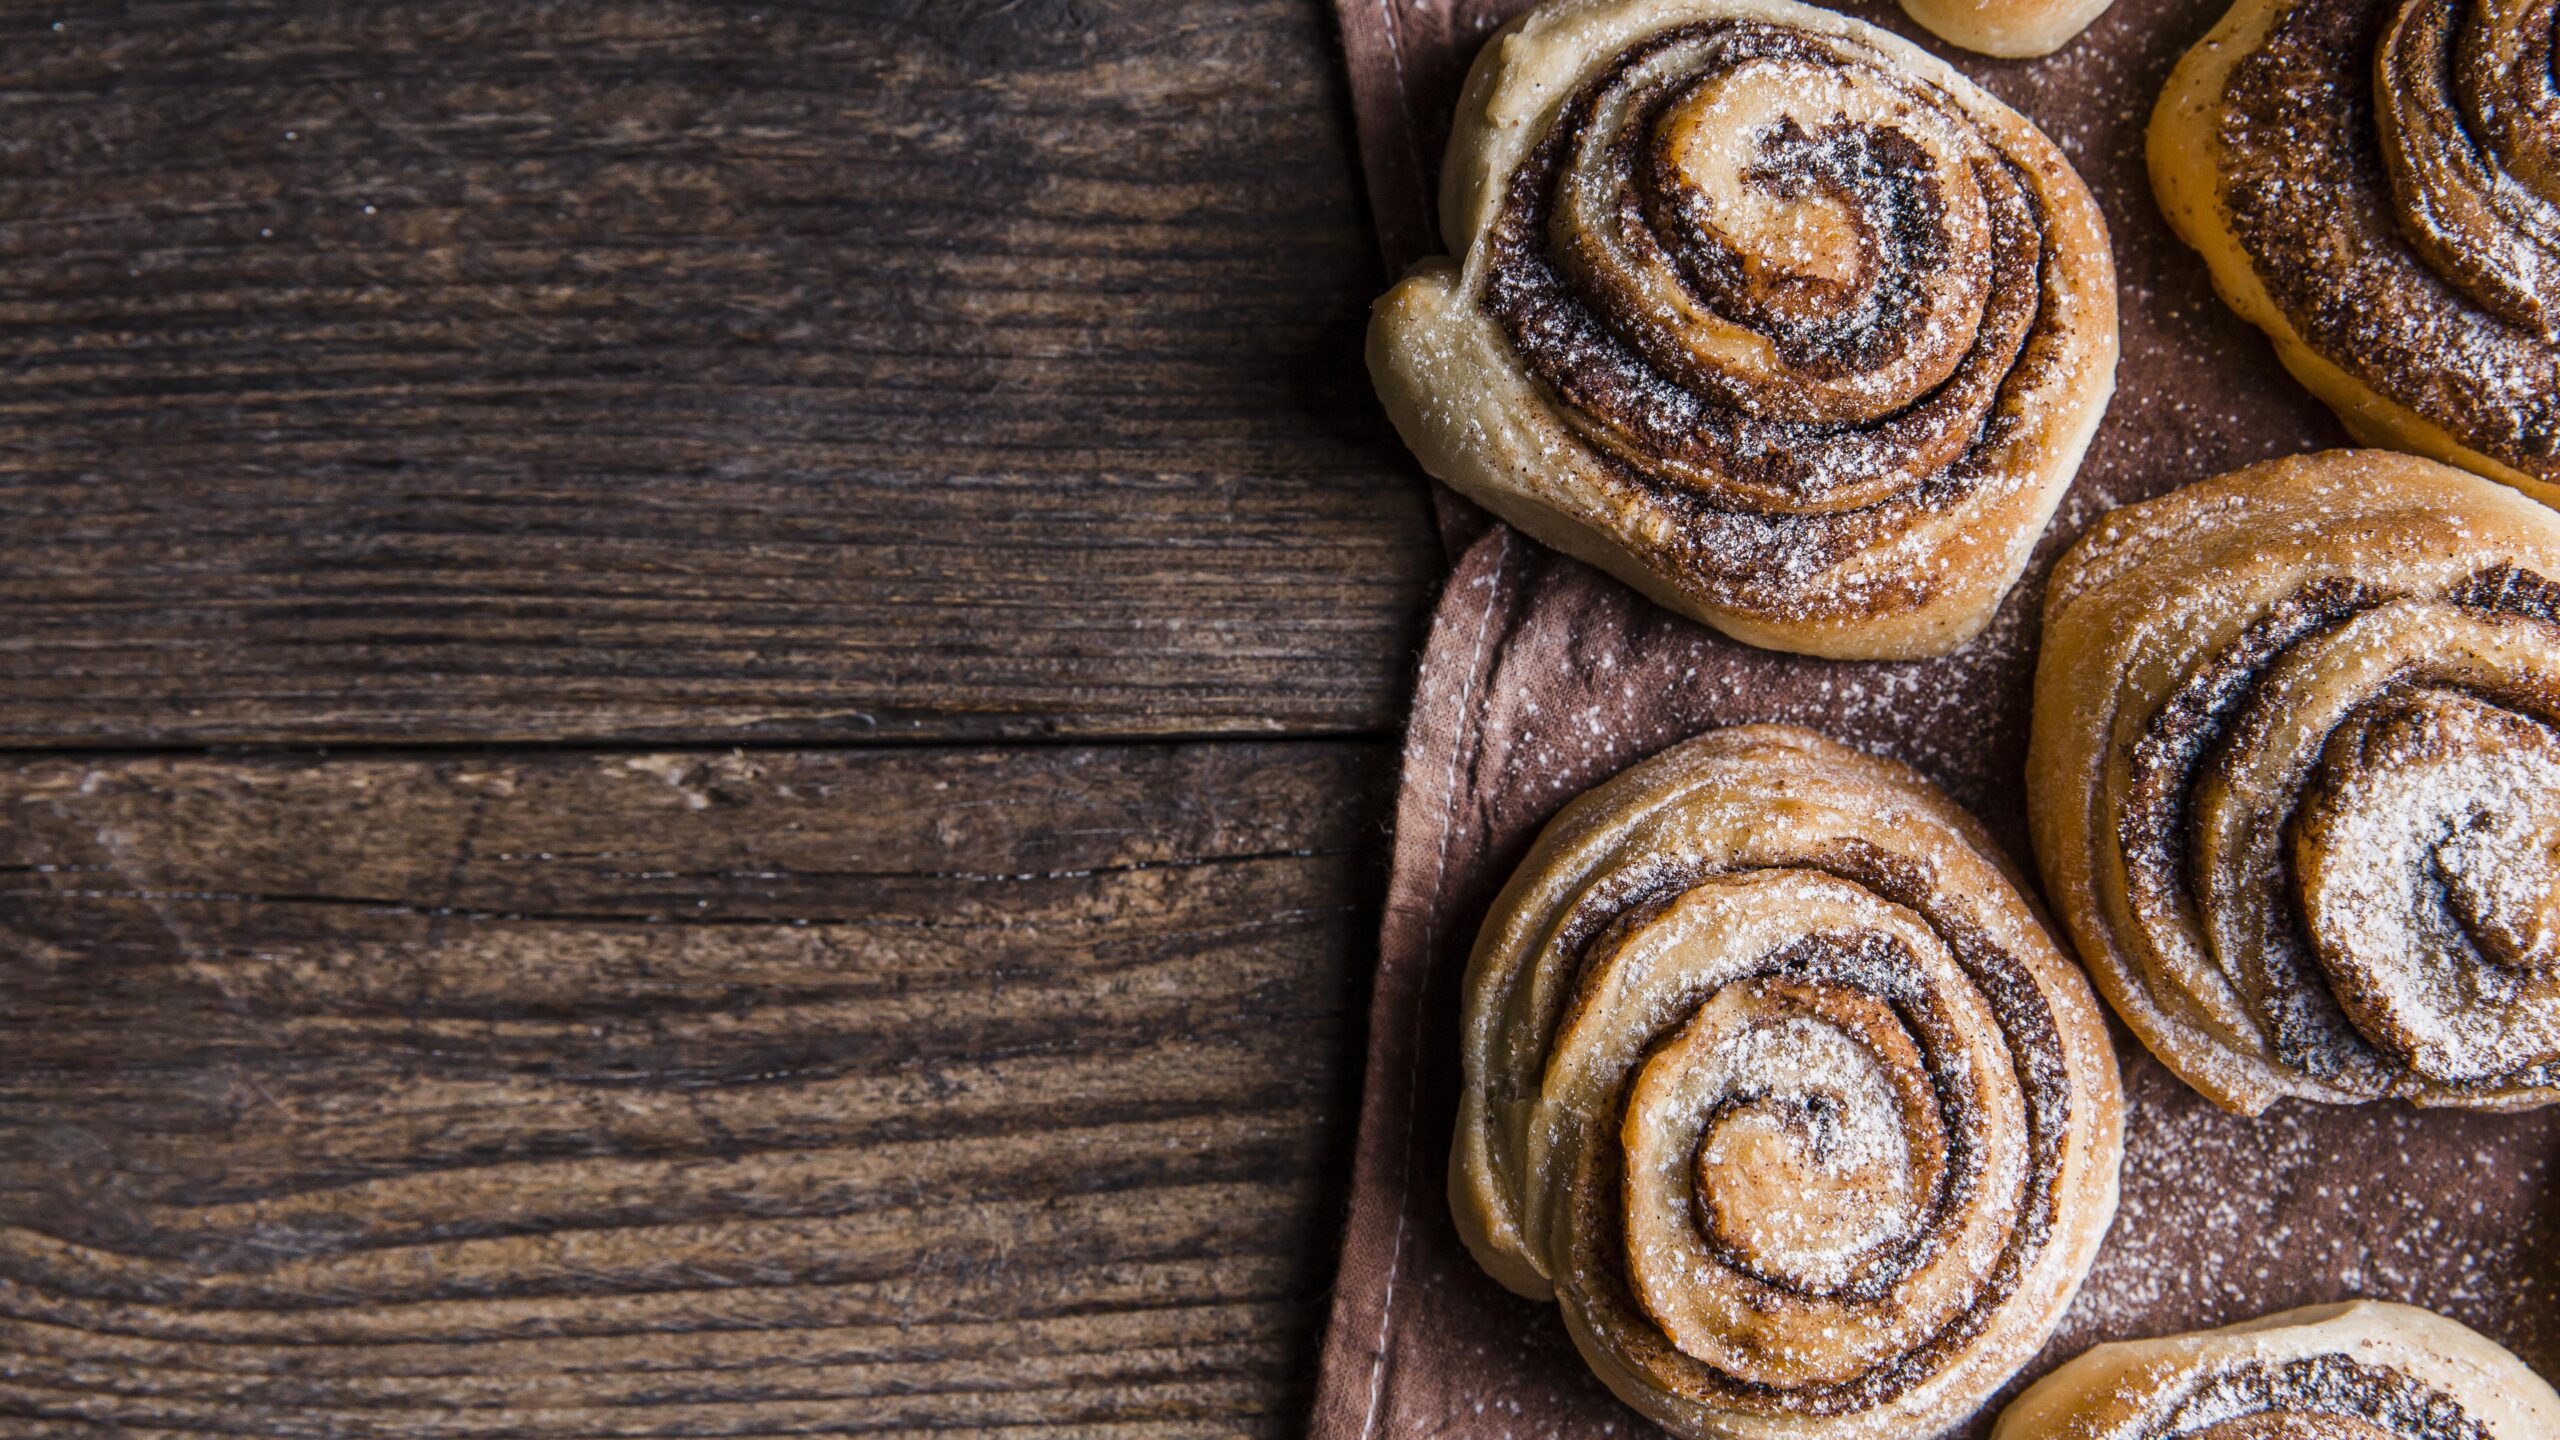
(2429, 820)
(2225, 1218)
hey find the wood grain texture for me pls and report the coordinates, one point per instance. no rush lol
(688, 1094)
(795, 371)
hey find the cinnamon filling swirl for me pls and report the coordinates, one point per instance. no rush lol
(2358, 804)
(1826, 1125)
(1771, 273)
(1782, 1091)
(2469, 120)
(2317, 1397)
(1761, 309)
(2392, 170)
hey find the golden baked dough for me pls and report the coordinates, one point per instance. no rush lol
(1766, 311)
(2295, 785)
(2012, 29)
(2360, 1371)
(1777, 1084)
(2376, 184)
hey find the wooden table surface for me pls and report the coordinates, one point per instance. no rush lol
(700, 704)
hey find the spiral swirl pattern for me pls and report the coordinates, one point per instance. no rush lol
(2296, 781)
(2376, 183)
(1778, 1086)
(2363, 1371)
(1769, 268)
(1787, 322)
(2321, 1397)
(2469, 117)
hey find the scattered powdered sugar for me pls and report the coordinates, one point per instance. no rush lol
(2227, 1217)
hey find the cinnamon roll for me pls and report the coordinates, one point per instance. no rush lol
(2376, 184)
(2294, 779)
(1762, 309)
(1776, 1083)
(2360, 1371)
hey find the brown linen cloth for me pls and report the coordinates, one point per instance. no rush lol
(1542, 677)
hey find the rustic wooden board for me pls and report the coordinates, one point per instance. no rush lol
(700, 1093)
(803, 372)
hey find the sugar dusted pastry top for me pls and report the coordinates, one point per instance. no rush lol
(2294, 779)
(1764, 310)
(1777, 1084)
(2376, 183)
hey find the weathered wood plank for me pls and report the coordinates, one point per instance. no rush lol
(508, 370)
(549, 1095)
